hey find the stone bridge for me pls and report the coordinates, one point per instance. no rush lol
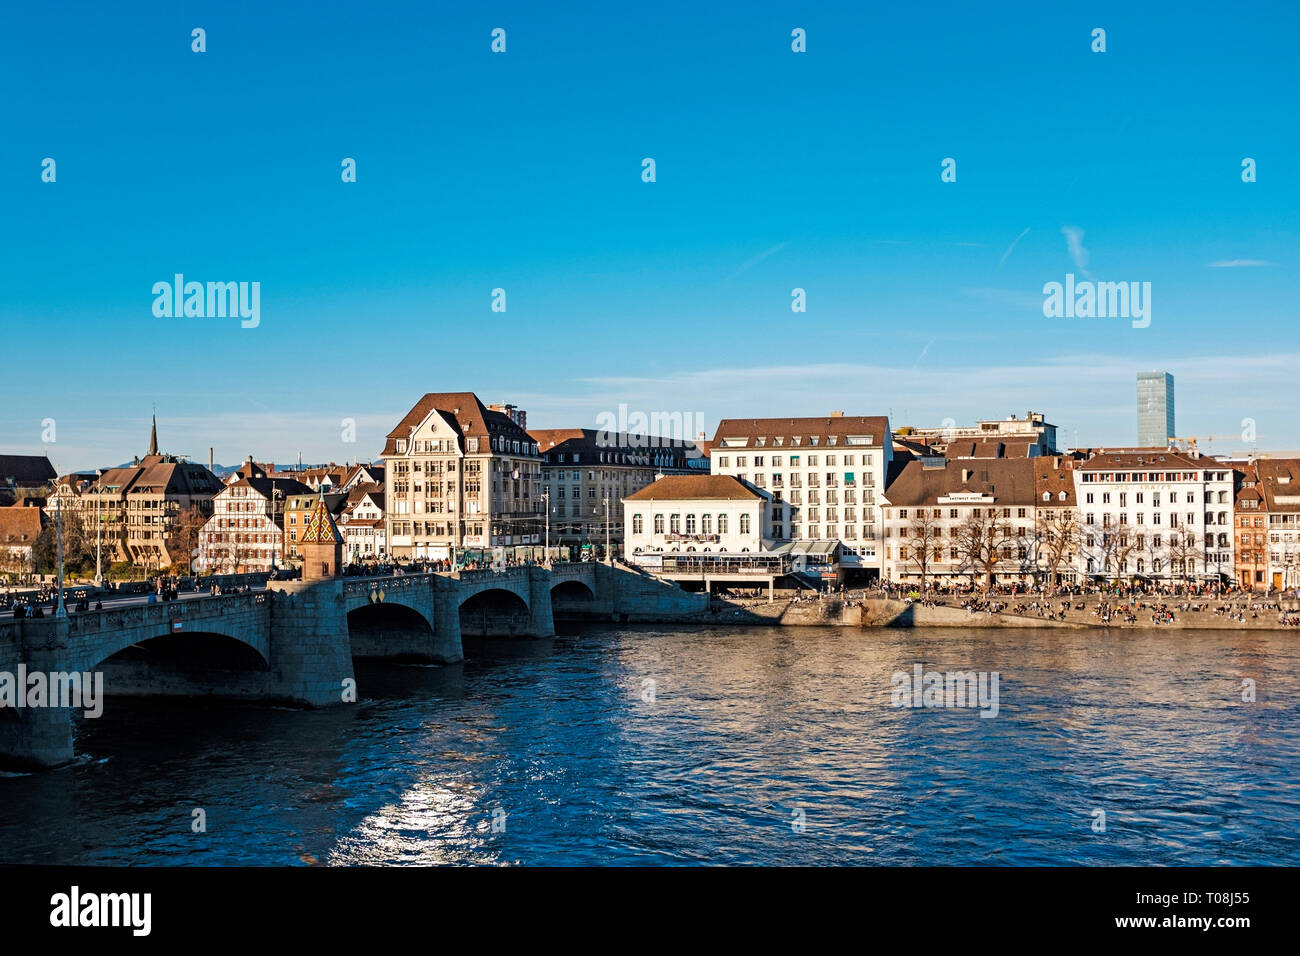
(295, 642)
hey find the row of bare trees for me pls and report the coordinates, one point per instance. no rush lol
(985, 541)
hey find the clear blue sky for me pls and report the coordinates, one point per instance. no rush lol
(522, 170)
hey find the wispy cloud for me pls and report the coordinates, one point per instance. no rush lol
(1012, 246)
(1074, 242)
(1241, 263)
(755, 260)
(923, 352)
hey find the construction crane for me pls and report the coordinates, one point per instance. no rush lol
(1191, 440)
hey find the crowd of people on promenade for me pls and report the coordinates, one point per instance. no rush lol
(1102, 603)
(1109, 602)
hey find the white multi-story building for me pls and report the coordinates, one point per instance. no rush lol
(362, 525)
(1155, 514)
(822, 476)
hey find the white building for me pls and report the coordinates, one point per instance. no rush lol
(702, 530)
(966, 521)
(362, 525)
(1155, 514)
(823, 477)
(246, 530)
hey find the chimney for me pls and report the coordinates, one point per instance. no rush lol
(209, 458)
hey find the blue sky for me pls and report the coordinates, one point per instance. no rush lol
(522, 171)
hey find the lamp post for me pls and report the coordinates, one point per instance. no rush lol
(60, 610)
(609, 559)
(546, 553)
(273, 527)
(99, 575)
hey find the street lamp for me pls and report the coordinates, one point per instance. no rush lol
(546, 553)
(60, 610)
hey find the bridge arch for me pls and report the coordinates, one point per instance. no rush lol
(495, 611)
(392, 630)
(572, 590)
(203, 649)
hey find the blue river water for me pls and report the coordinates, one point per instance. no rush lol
(731, 745)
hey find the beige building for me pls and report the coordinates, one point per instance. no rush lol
(1026, 437)
(461, 479)
(1279, 481)
(298, 508)
(586, 474)
(137, 506)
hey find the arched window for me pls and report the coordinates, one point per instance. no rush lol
(636, 524)
(659, 524)
(706, 525)
(722, 523)
(690, 524)
(744, 524)
(674, 524)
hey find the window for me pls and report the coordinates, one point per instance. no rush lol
(659, 524)
(722, 523)
(690, 524)
(636, 524)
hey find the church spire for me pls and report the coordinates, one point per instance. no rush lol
(153, 437)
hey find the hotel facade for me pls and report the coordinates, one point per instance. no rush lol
(823, 477)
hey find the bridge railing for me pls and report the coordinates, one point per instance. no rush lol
(395, 582)
(161, 615)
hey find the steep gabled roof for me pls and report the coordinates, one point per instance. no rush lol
(464, 413)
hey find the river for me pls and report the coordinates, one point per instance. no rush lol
(665, 745)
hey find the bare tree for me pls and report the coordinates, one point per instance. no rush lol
(183, 535)
(980, 540)
(1123, 541)
(1184, 548)
(923, 537)
(1057, 533)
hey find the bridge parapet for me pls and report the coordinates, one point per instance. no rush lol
(364, 587)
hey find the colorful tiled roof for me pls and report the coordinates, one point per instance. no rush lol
(320, 527)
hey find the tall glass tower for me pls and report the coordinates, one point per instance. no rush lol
(1155, 409)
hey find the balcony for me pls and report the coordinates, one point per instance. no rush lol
(702, 538)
